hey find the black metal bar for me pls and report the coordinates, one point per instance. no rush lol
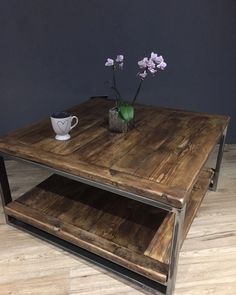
(175, 250)
(5, 191)
(5, 188)
(214, 182)
(141, 281)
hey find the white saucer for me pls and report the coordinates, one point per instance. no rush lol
(63, 137)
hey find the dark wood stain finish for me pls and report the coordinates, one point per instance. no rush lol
(112, 226)
(163, 158)
(125, 231)
(159, 248)
(160, 158)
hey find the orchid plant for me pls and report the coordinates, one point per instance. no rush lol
(147, 66)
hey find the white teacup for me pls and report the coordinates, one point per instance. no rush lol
(62, 124)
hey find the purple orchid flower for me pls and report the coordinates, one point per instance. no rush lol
(159, 60)
(109, 62)
(146, 66)
(152, 71)
(154, 56)
(120, 58)
(151, 66)
(162, 65)
(143, 63)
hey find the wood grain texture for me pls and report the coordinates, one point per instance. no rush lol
(207, 262)
(117, 228)
(160, 246)
(160, 158)
(114, 227)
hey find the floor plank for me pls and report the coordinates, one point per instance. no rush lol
(207, 264)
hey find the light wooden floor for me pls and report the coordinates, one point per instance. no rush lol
(207, 262)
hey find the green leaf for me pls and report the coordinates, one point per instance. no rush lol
(126, 112)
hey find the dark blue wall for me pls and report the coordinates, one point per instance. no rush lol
(52, 54)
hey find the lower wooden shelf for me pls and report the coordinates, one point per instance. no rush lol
(163, 236)
(129, 233)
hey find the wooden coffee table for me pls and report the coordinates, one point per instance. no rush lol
(124, 201)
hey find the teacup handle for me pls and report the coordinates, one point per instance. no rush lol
(76, 121)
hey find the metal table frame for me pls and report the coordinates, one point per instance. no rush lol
(142, 281)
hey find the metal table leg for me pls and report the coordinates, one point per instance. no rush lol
(214, 183)
(4, 187)
(175, 249)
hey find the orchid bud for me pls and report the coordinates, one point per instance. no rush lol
(143, 75)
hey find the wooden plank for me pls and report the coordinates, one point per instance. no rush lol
(160, 158)
(159, 248)
(115, 218)
(107, 249)
(118, 229)
(110, 147)
(66, 205)
(129, 224)
(196, 198)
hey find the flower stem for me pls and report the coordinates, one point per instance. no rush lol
(137, 92)
(114, 76)
(118, 96)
